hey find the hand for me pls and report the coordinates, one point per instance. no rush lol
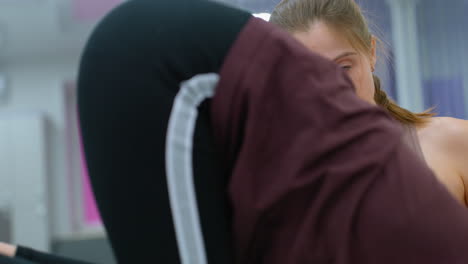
(7, 249)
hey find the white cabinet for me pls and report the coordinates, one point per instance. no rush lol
(23, 179)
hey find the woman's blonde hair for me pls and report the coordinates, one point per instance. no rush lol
(346, 17)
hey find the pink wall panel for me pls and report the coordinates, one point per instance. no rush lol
(91, 213)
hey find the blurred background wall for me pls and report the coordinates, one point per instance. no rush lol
(45, 199)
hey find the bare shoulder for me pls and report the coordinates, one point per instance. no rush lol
(444, 141)
(447, 128)
(449, 134)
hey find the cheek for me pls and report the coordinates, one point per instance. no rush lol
(364, 83)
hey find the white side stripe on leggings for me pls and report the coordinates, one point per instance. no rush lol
(179, 169)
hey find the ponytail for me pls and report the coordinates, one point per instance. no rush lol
(402, 115)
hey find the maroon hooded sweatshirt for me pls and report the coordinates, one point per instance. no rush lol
(318, 175)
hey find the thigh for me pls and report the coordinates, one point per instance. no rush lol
(130, 73)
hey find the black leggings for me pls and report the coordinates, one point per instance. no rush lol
(16, 260)
(130, 72)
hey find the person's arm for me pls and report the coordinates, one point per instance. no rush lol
(25, 253)
(457, 144)
(7, 250)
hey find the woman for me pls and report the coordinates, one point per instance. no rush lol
(337, 30)
(291, 204)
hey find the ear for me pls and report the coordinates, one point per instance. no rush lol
(373, 55)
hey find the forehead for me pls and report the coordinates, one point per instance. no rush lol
(324, 40)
